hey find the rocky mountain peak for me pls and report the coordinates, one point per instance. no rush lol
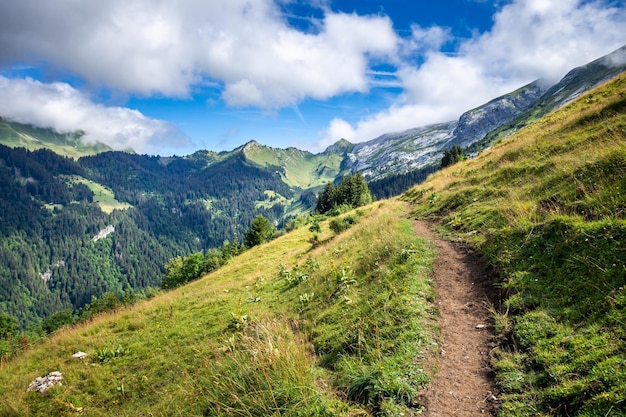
(251, 145)
(341, 147)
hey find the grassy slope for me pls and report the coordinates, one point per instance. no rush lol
(32, 138)
(547, 209)
(104, 196)
(302, 169)
(360, 301)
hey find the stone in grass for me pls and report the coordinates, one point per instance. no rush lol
(43, 384)
(79, 355)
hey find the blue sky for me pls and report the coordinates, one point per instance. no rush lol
(165, 77)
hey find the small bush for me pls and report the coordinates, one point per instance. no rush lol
(315, 227)
(344, 223)
(315, 241)
(58, 319)
(339, 210)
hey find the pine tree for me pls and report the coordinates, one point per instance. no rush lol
(261, 229)
(452, 156)
(327, 199)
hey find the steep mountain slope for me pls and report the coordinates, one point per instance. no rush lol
(394, 154)
(477, 123)
(414, 149)
(340, 328)
(400, 152)
(298, 168)
(53, 208)
(32, 138)
(546, 210)
(575, 83)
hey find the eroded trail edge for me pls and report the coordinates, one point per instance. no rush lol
(463, 384)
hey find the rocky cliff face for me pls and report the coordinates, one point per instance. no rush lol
(475, 124)
(398, 153)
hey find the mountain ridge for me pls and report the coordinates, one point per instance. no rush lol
(571, 86)
(187, 204)
(323, 323)
(418, 148)
(16, 134)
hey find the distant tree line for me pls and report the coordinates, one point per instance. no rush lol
(183, 269)
(394, 185)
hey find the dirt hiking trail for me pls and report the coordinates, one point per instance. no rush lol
(463, 385)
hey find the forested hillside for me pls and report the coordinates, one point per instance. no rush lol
(53, 207)
(156, 208)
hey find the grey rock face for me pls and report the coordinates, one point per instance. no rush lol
(475, 124)
(43, 384)
(398, 153)
(79, 355)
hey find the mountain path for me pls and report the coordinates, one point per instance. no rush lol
(463, 384)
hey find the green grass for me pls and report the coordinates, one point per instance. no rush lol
(301, 169)
(32, 138)
(271, 199)
(347, 337)
(546, 208)
(103, 196)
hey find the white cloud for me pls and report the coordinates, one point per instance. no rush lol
(427, 39)
(64, 109)
(534, 38)
(165, 47)
(249, 51)
(271, 65)
(530, 39)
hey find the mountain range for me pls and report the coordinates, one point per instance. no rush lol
(58, 193)
(363, 313)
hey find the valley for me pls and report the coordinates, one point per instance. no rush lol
(343, 314)
(61, 192)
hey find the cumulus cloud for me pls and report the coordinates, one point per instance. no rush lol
(254, 57)
(164, 47)
(426, 39)
(272, 65)
(61, 107)
(530, 39)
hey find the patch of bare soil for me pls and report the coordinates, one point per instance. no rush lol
(463, 385)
